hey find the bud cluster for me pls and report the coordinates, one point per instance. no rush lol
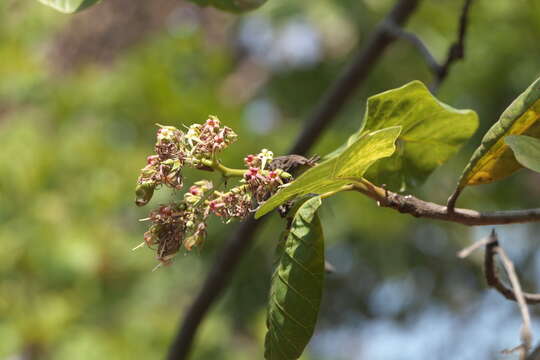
(206, 139)
(178, 224)
(174, 149)
(184, 223)
(261, 182)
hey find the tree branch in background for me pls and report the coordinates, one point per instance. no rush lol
(525, 333)
(353, 75)
(492, 278)
(332, 102)
(455, 52)
(514, 293)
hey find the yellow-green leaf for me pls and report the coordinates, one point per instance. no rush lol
(432, 133)
(526, 150)
(297, 283)
(69, 6)
(338, 171)
(493, 159)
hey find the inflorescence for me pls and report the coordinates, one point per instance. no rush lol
(184, 223)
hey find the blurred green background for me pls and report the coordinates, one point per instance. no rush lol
(79, 97)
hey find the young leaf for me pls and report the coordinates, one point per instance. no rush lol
(69, 6)
(338, 171)
(493, 159)
(526, 150)
(231, 5)
(297, 282)
(432, 133)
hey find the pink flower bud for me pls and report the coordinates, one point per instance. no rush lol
(152, 159)
(253, 171)
(194, 190)
(214, 205)
(249, 159)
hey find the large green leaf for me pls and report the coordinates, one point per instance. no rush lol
(231, 5)
(432, 133)
(526, 150)
(339, 170)
(297, 282)
(493, 159)
(69, 6)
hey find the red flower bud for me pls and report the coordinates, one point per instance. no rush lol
(253, 171)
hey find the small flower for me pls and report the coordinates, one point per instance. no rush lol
(197, 238)
(204, 185)
(213, 122)
(266, 157)
(152, 160)
(252, 161)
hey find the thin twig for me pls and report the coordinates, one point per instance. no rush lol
(412, 38)
(332, 102)
(493, 279)
(456, 51)
(515, 293)
(470, 249)
(353, 75)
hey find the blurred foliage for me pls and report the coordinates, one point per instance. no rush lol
(75, 127)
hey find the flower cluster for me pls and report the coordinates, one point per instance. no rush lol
(234, 204)
(262, 183)
(174, 149)
(178, 224)
(209, 138)
(184, 223)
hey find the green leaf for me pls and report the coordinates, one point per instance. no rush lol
(231, 5)
(69, 6)
(493, 159)
(526, 150)
(337, 171)
(297, 282)
(432, 133)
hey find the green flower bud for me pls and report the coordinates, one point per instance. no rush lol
(144, 192)
(192, 241)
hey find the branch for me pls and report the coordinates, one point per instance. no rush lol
(493, 280)
(331, 103)
(409, 204)
(515, 293)
(353, 75)
(456, 51)
(526, 333)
